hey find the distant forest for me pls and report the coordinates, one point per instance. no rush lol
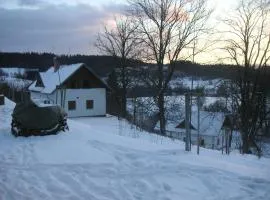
(42, 61)
(103, 65)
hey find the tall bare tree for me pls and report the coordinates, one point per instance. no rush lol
(166, 28)
(120, 42)
(247, 42)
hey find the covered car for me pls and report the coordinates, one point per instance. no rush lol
(30, 119)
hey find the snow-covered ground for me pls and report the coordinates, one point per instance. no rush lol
(104, 159)
(16, 83)
(10, 77)
(186, 82)
(175, 105)
(12, 71)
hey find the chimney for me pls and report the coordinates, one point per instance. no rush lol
(56, 64)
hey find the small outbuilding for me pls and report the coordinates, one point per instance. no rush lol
(210, 128)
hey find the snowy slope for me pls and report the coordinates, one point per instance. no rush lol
(12, 71)
(102, 158)
(186, 82)
(16, 83)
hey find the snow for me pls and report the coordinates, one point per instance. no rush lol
(50, 78)
(12, 71)
(34, 88)
(210, 123)
(16, 83)
(5, 114)
(210, 129)
(103, 158)
(197, 82)
(175, 106)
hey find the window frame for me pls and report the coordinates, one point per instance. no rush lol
(89, 104)
(46, 102)
(72, 107)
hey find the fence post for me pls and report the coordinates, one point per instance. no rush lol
(198, 135)
(187, 120)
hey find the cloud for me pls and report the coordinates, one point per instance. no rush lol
(18, 4)
(30, 2)
(59, 29)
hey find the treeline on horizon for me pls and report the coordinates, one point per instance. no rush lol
(103, 65)
(225, 71)
(42, 61)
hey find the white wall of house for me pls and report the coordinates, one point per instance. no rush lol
(41, 97)
(79, 97)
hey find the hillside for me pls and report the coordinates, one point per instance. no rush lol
(101, 64)
(103, 158)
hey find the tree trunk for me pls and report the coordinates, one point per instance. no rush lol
(124, 87)
(162, 114)
(245, 147)
(123, 104)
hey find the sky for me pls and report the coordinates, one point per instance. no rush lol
(62, 26)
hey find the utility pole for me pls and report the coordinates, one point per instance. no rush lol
(60, 87)
(187, 120)
(192, 80)
(222, 140)
(198, 128)
(191, 96)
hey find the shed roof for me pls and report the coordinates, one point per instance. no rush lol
(210, 123)
(182, 125)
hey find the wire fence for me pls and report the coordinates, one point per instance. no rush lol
(207, 141)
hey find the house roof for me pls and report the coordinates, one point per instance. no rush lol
(51, 78)
(182, 125)
(210, 123)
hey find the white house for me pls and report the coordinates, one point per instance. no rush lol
(211, 129)
(75, 87)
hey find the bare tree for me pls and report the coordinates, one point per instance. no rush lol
(248, 46)
(166, 28)
(120, 42)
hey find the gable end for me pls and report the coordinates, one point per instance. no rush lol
(83, 78)
(39, 82)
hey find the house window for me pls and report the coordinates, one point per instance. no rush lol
(202, 142)
(89, 104)
(47, 102)
(71, 105)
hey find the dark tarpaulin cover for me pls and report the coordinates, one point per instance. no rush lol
(30, 116)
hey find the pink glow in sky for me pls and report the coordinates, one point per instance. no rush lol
(62, 26)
